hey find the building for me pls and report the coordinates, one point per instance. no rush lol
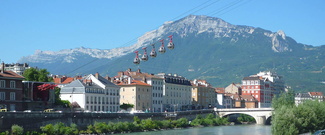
(277, 81)
(260, 88)
(317, 95)
(234, 89)
(176, 92)
(35, 98)
(203, 95)
(155, 82)
(93, 93)
(17, 68)
(223, 100)
(11, 90)
(301, 97)
(135, 92)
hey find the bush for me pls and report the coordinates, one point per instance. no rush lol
(17, 130)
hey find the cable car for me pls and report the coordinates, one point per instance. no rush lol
(144, 56)
(170, 44)
(162, 47)
(153, 51)
(136, 59)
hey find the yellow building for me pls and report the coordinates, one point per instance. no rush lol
(137, 93)
(203, 95)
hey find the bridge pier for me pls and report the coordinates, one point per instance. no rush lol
(260, 120)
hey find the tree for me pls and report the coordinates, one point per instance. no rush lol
(17, 130)
(126, 106)
(39, 75)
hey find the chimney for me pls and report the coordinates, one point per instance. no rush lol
(129, 80)
(139, 71)
(2, 67)
(96, 75)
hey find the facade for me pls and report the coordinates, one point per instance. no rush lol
(155, 82)
(233, 89)
(176, 92)
(317, 95)
(203, 95)
(37, 99)
(93, 93)
(137, 93)
(224, 101)
(260, 88)
(301, 97)
(277, 81)
(17, 68)
(11, 90)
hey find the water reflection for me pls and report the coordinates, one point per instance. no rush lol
(218, 130)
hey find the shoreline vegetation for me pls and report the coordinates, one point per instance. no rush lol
(291, 119)
(138, 125)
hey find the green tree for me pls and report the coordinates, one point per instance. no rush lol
(17, 130)
(285, 99)
(126, 106)
(245, 118)
(39, 75)
(58, 101)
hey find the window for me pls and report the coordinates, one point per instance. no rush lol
(12, 96)
(2, 83)
(2, 96)
(12, 84)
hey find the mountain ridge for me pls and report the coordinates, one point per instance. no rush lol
(206, 48)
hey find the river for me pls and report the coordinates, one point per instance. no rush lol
(217, 130)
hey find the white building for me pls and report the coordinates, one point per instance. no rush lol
(224, 101)
(93, 93)
(277, 81)
(301, 97)
(176, 92)
(17, 68)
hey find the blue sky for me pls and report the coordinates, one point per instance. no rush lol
(29, 25)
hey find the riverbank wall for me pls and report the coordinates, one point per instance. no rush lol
(34, 120)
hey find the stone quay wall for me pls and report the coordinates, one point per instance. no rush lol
(32, 121)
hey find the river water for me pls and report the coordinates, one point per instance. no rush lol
(217, 130)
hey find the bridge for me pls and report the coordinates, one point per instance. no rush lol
(261, 115)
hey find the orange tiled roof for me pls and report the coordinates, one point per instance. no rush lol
(10, 74)
(316, 93)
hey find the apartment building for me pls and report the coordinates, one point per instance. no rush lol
(155, 82)
(137, 93)
(11, 90)
(17, 67)
(176, 92)
(93, 93)
(203, 95)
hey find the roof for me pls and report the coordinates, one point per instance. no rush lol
(10, 74)
(248, 97)
(220, 90)
(316, 93)
(134, 82)
(251, 78)
(302, 95)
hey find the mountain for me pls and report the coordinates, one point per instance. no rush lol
(205, 48)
